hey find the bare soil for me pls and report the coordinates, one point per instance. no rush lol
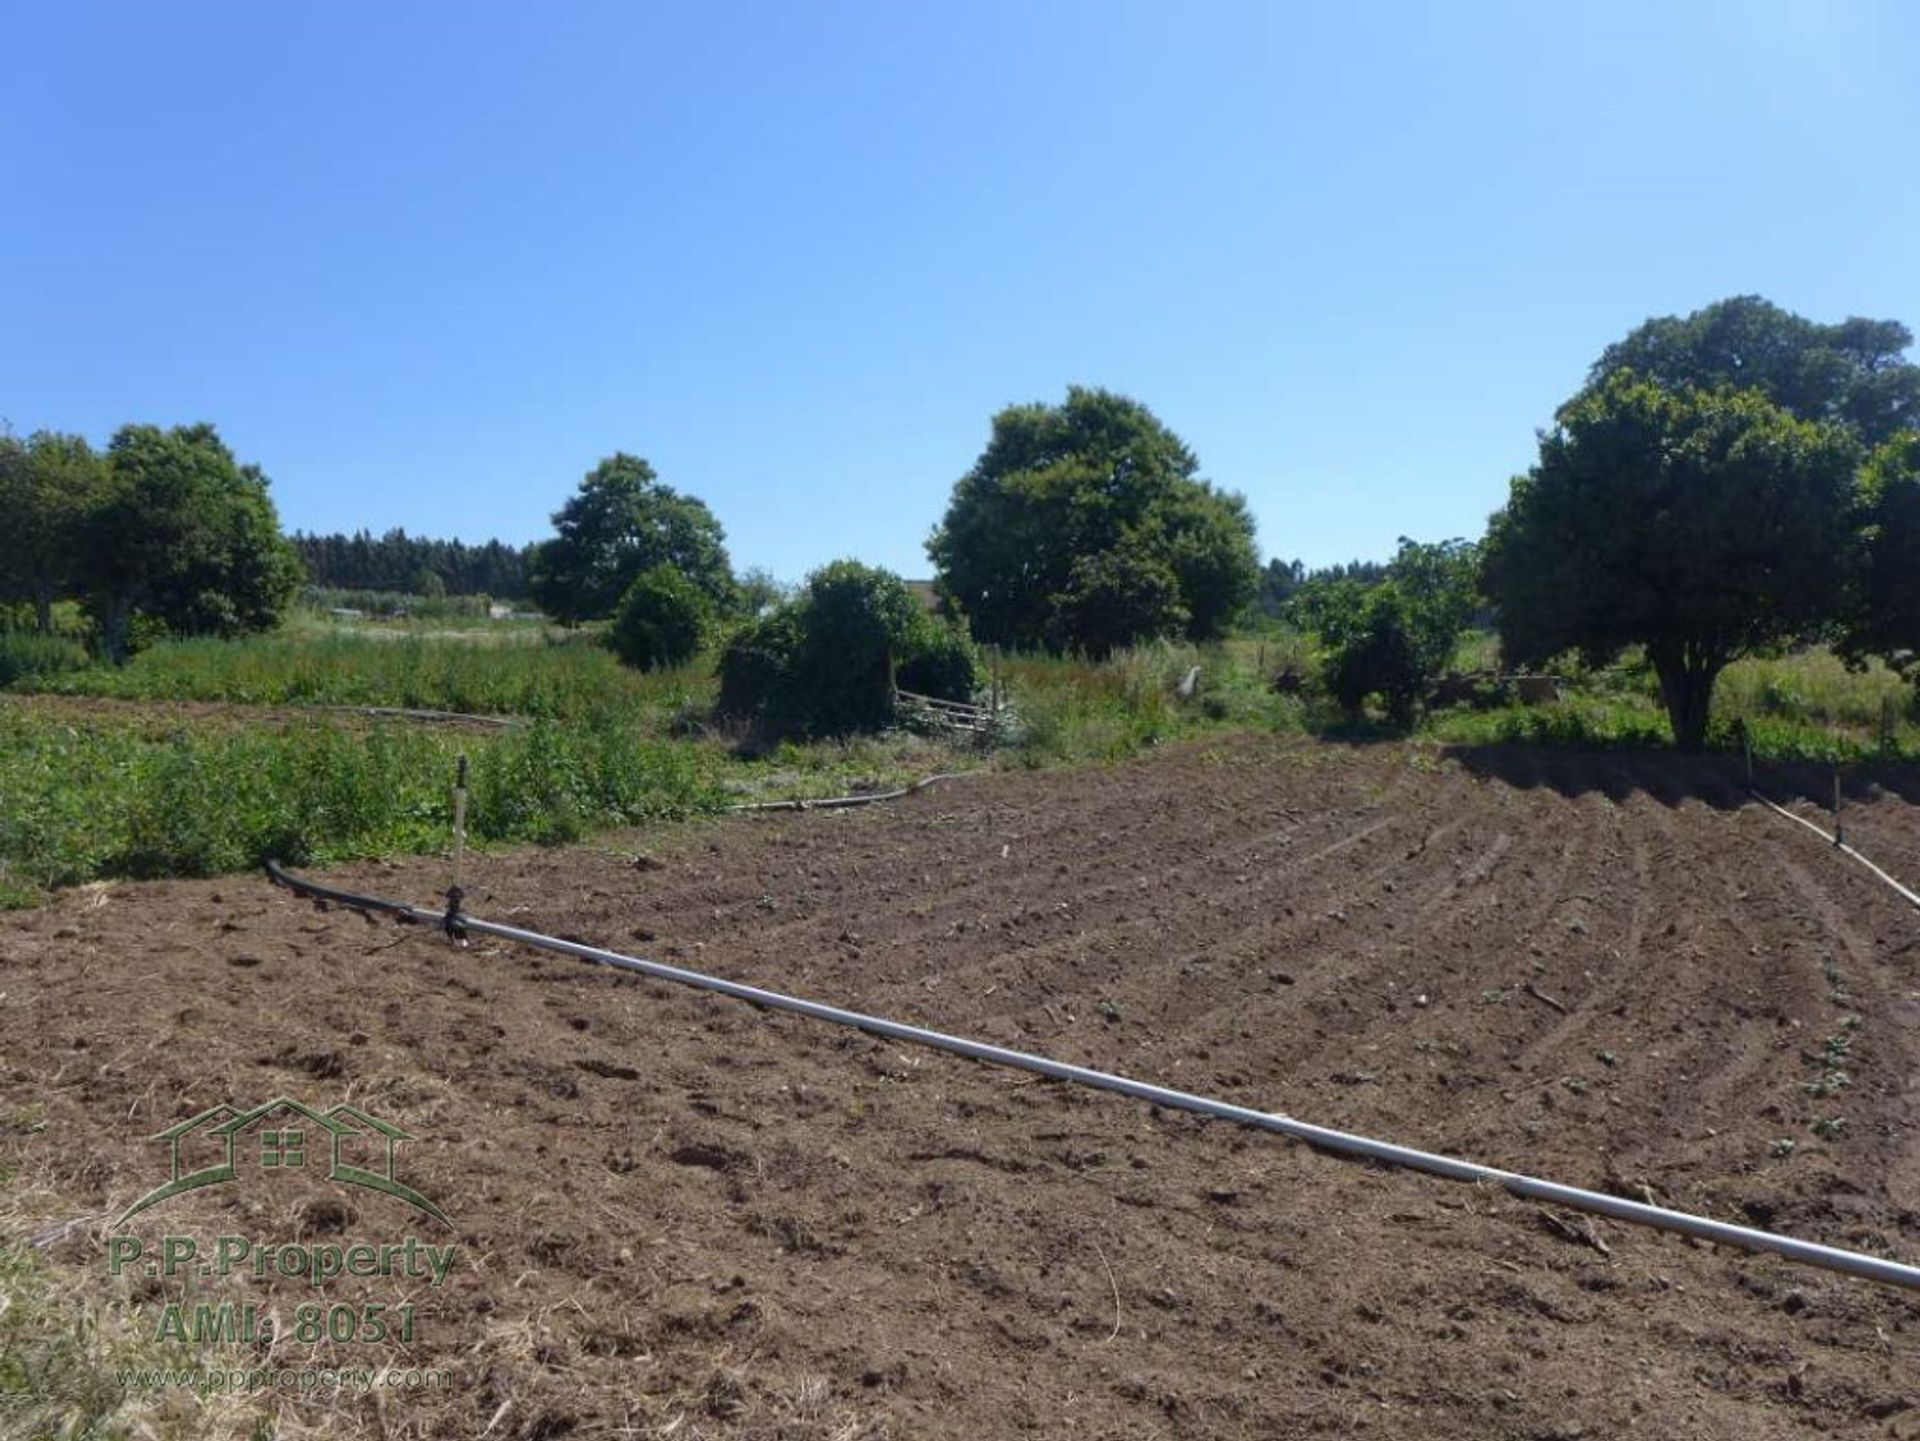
(679, 1215)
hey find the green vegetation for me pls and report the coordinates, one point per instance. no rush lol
(826, 662)
(662, 620)
(522, 675)
(1391, 638)
(1084, 527)
(154, 791)
(111, 799)
(1671, 511)
(624, 520)
(1700, 525)
(397, 561)
(1884, 619)
(1803, 707)
(165, 530)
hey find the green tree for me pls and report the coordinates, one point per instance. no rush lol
(1439, 586)
(757, 592)
(1113, 598)
(1853, 372)
(1391, 630)
(48, 486)
(1702, 525)
(1884, 618)
(662, 620)
(1022, 548)
(185, 535)
(624, 520)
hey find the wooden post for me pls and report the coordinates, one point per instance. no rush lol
(1839, 838)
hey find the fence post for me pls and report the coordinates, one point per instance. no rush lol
(1839, 838)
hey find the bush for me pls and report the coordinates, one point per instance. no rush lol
(945, 665)
(820, 663)
(661, 621)
(757, 665)
(1371, 648)
(24, 656)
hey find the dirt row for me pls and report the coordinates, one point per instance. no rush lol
(679, 1215)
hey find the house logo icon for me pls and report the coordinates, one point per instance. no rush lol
(355, 1147)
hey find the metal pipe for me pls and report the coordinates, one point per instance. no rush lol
(1853, 1263)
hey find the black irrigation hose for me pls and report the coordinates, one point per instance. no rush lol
(1832, 1258)
(313, 890)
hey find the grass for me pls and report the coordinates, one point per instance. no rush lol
(517, 672)
(68, 1338)
(1802, 707)
(1073, 710)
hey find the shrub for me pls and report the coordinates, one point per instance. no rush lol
(820, 663)
(757, 665)
(1371, 650)
(661, 621)
(944, 663)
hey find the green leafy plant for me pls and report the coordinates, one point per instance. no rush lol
(662, 620)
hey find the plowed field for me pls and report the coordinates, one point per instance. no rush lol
(678, 1215)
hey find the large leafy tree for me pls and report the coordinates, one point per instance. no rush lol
(623, 520)
(185, 535)
(1885, 614)
(48, 485)
(1700, 524)
(1854, 372)
(1085, 525)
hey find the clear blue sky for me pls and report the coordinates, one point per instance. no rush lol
(425, 263)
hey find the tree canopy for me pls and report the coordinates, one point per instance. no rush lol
(1853, 372)
(48, 486)
(397, 561)
(1884, 617)
(1701, 524)
(624, 520)
(184, 535)
(1085, 526)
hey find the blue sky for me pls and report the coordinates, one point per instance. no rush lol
(426, 263)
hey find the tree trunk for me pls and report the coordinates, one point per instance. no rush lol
(116, 626)
(43, 613)
(1687, 678)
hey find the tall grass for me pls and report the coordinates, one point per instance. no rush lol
(1071, 709)
(567, 679)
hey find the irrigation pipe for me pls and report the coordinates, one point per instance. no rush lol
(1910, 896)
(841, 802)
(1852, 1263)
